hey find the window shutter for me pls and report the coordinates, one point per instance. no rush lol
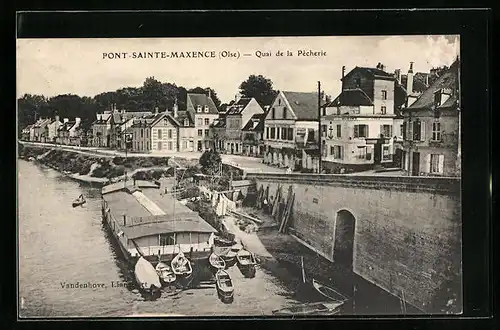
(404, 130)
(382, 130)
(422, 131)
(441, 163)
(409, 132)
(356, 130)
(367, 131)
(428, 163)
(390, 130)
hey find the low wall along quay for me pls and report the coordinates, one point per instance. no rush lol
(402, 234)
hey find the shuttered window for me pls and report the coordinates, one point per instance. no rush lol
(435, 163)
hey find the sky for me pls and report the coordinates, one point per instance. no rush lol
(76, 66)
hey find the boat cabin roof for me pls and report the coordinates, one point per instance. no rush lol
(144, 211)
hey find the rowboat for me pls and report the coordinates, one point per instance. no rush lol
(79, 201)
(328, 292)
(246, 262)
(310, 309)
(181, 266)
(165, 273)
(216, 262)
(230, 256)
(146, 277)
(221, 241)
(224, 286)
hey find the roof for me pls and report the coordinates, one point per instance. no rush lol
(28, 127)
(351, 97)
(449, 80)
(151, 213)
(194, 100)
(238, 107)
(41, 123)
(419, 81)
(219, 123)
(182, 116)
(121, 185)
(255, 123)
(373, 72)
(304, 105)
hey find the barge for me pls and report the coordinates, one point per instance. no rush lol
(148, 223)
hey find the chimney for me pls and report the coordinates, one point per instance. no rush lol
(176, 108)
(209, 93)
(343, 71)
(409, 81)
(427, 80)
(156, 110)
(65, 120)
(77, 121)
(122, 111)
(397, 75)
(57, 117)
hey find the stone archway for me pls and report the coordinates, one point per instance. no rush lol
(343, 249)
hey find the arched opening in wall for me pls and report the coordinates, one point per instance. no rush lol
(343, 248)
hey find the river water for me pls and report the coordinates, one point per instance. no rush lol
(59, 245)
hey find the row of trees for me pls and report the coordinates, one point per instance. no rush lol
(150, 95)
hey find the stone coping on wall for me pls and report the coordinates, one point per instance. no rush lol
(442, 185)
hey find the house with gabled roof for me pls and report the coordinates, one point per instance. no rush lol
(431, 128)
(155, 133)
(252, 135)
(291, 131)
(358, 127)
(237, 116)
(203, 112)
(218, 133)
(28, 133)
(52, 129)
(39, 128)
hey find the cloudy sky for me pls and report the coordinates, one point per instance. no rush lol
(61, 66)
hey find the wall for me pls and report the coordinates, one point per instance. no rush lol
(168, 139)
(407, 229)
(379, 85)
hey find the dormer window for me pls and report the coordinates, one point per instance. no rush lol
(358, 82)
(186, 122)
(206, 109)
(279, 101)
(284, 113)
(198, 109)
(437, 98)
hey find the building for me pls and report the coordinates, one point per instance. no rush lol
(202, 111)
(431, 128)
(186, 135)
(63, 132)
(358, 127)
(52, 129)
(39, 129)
(119, 121)
(155, 133)
(218, 133)
(101, 130)
(252, 135)
(291, 131)
(27, 133)
(237, 116)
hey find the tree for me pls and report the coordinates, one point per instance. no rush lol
(210, 162)
(30, 107)
(260, 88)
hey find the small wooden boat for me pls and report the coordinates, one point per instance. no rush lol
(310, 309)
(79, 201)
(181, 266)
(224, 286)
(221, 241)
(246, 263)
(146, 277)
(165, 273)
(328, 292)
(230, 256)
(216, 262)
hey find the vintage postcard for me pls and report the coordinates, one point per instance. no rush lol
(270, 176)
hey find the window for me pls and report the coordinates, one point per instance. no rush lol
(337, 152)
(170, 145)
(384, 95)
(283, 133)
(339, 130)
(323, 130)
(401, 129)
(267, 132)
(198, 108)
(417, 128)
(206, 109)
(273, 113)
(358, 82)
(323, 111)
(184, 145)
(290, 134)
(206, 132)
(284, 113)
(167, 239)
(169, 133)
(273, 132)
(437, 98)
(200, 132)
(278, 132)
(279, 101)
(186, 122)
(207, 121)
(361, 152)
(142, 132)
(200, 121)
(159, 134)
(236, 145)
(436, 131)
(159, 145)
(383, 109)
(436, 163)
(360, 131)
(385, 153)
(386, 130)
(147, 133)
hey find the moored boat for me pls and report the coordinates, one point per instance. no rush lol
(221, 241)
(321, 308)
(246, 263)
(165, 273)
(181, 266)
(230, 255)
(79, 201)
(216, 262)
(328, 292)
(224, 285)
(147, 278)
